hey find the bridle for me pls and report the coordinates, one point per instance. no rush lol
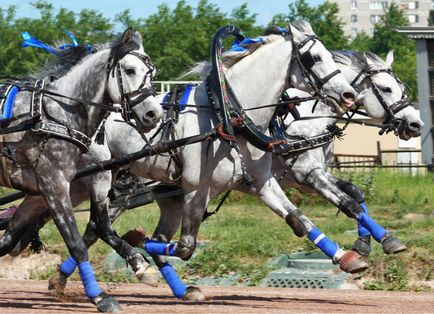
(130, 99)
(392, 123)
(306, 62)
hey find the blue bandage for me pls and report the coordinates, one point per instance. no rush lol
(88, 278)
(153, 247)
(322, 242)
(174, 282)
(68, 266)
(377, 231)
(363, 232)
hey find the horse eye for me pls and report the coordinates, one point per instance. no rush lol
(317, 59)
(386, 89)
(130, 71)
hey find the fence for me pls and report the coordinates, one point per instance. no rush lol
(166, 86)
(345, 161)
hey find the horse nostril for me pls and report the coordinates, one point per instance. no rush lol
(415, 126)
(349, 96)
(150, 114)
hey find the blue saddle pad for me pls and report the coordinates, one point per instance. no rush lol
(181, 101)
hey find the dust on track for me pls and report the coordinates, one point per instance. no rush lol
(31, 296)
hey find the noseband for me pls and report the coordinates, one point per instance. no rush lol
(391, 110)
(133, 98)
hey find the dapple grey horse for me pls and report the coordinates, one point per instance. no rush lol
(75, 98)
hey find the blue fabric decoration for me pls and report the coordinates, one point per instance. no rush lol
(153, 247)
(322, 242)
(282, 29)
(238, 46)
(175, 283)
(68, 266)
(185, 95)
(377, 231)
(88, 278)
(30, 41)
(363, 232)
(8, 105)
(74, 42)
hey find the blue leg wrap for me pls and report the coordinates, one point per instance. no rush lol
(68, 266)
(153, 247)
(363, 232)
(88, 278)
(377, 231)
(175, 283)
(322, 242)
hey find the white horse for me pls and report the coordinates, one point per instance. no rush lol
(384, 99)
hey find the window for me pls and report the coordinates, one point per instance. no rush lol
(413, 18)
(378, 5)
(375, 19)
(372, 31)
(413, 5)
(354, 4)
(353, 18)
(353, 32)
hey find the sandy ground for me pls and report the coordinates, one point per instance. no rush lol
(29, 296)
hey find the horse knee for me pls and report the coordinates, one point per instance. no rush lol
(350, 207)
(352, 190)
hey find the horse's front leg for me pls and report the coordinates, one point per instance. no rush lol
(367, 227)
(53, 176)
(270, 192)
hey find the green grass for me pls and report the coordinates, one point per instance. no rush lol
(246, 234)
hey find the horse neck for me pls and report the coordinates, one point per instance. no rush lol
(310, 127)
(86, 81)
(260, 78)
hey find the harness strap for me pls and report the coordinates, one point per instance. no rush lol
(4, 174)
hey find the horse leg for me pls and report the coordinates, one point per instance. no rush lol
(273, 196)
(54, 186)
(366, 225)
(24, 217)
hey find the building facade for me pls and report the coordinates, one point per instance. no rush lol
(361, 15)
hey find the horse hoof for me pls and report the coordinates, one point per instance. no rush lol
(147, 275)
(352, 263)
(363, 246)
(107, 304)
(392, 245)
(57, 283)
(194, 294)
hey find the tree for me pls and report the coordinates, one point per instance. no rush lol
(323, 19)
(361, 42)
(386, 38)
(87, 26)
(431, 18)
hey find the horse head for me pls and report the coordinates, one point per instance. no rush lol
(317, 70)
(381, 92)
(129, 81)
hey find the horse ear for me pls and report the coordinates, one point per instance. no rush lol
(389, 58)
(127, 36)
(295, 32)
(367, 59)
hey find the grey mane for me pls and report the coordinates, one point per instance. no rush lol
(303, 26)
(359, 61)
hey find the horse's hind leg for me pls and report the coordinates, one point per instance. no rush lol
(24, 217)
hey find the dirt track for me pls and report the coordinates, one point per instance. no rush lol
(27, 296)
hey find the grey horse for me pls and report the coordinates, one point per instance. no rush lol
(42, 161)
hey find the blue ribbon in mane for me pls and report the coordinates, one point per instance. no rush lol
(30, 41)
(238, 45)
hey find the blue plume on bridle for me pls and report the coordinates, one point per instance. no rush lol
(30, 41)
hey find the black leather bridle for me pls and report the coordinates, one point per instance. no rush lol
(306, 62)
(130, 99)
(390, 109)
